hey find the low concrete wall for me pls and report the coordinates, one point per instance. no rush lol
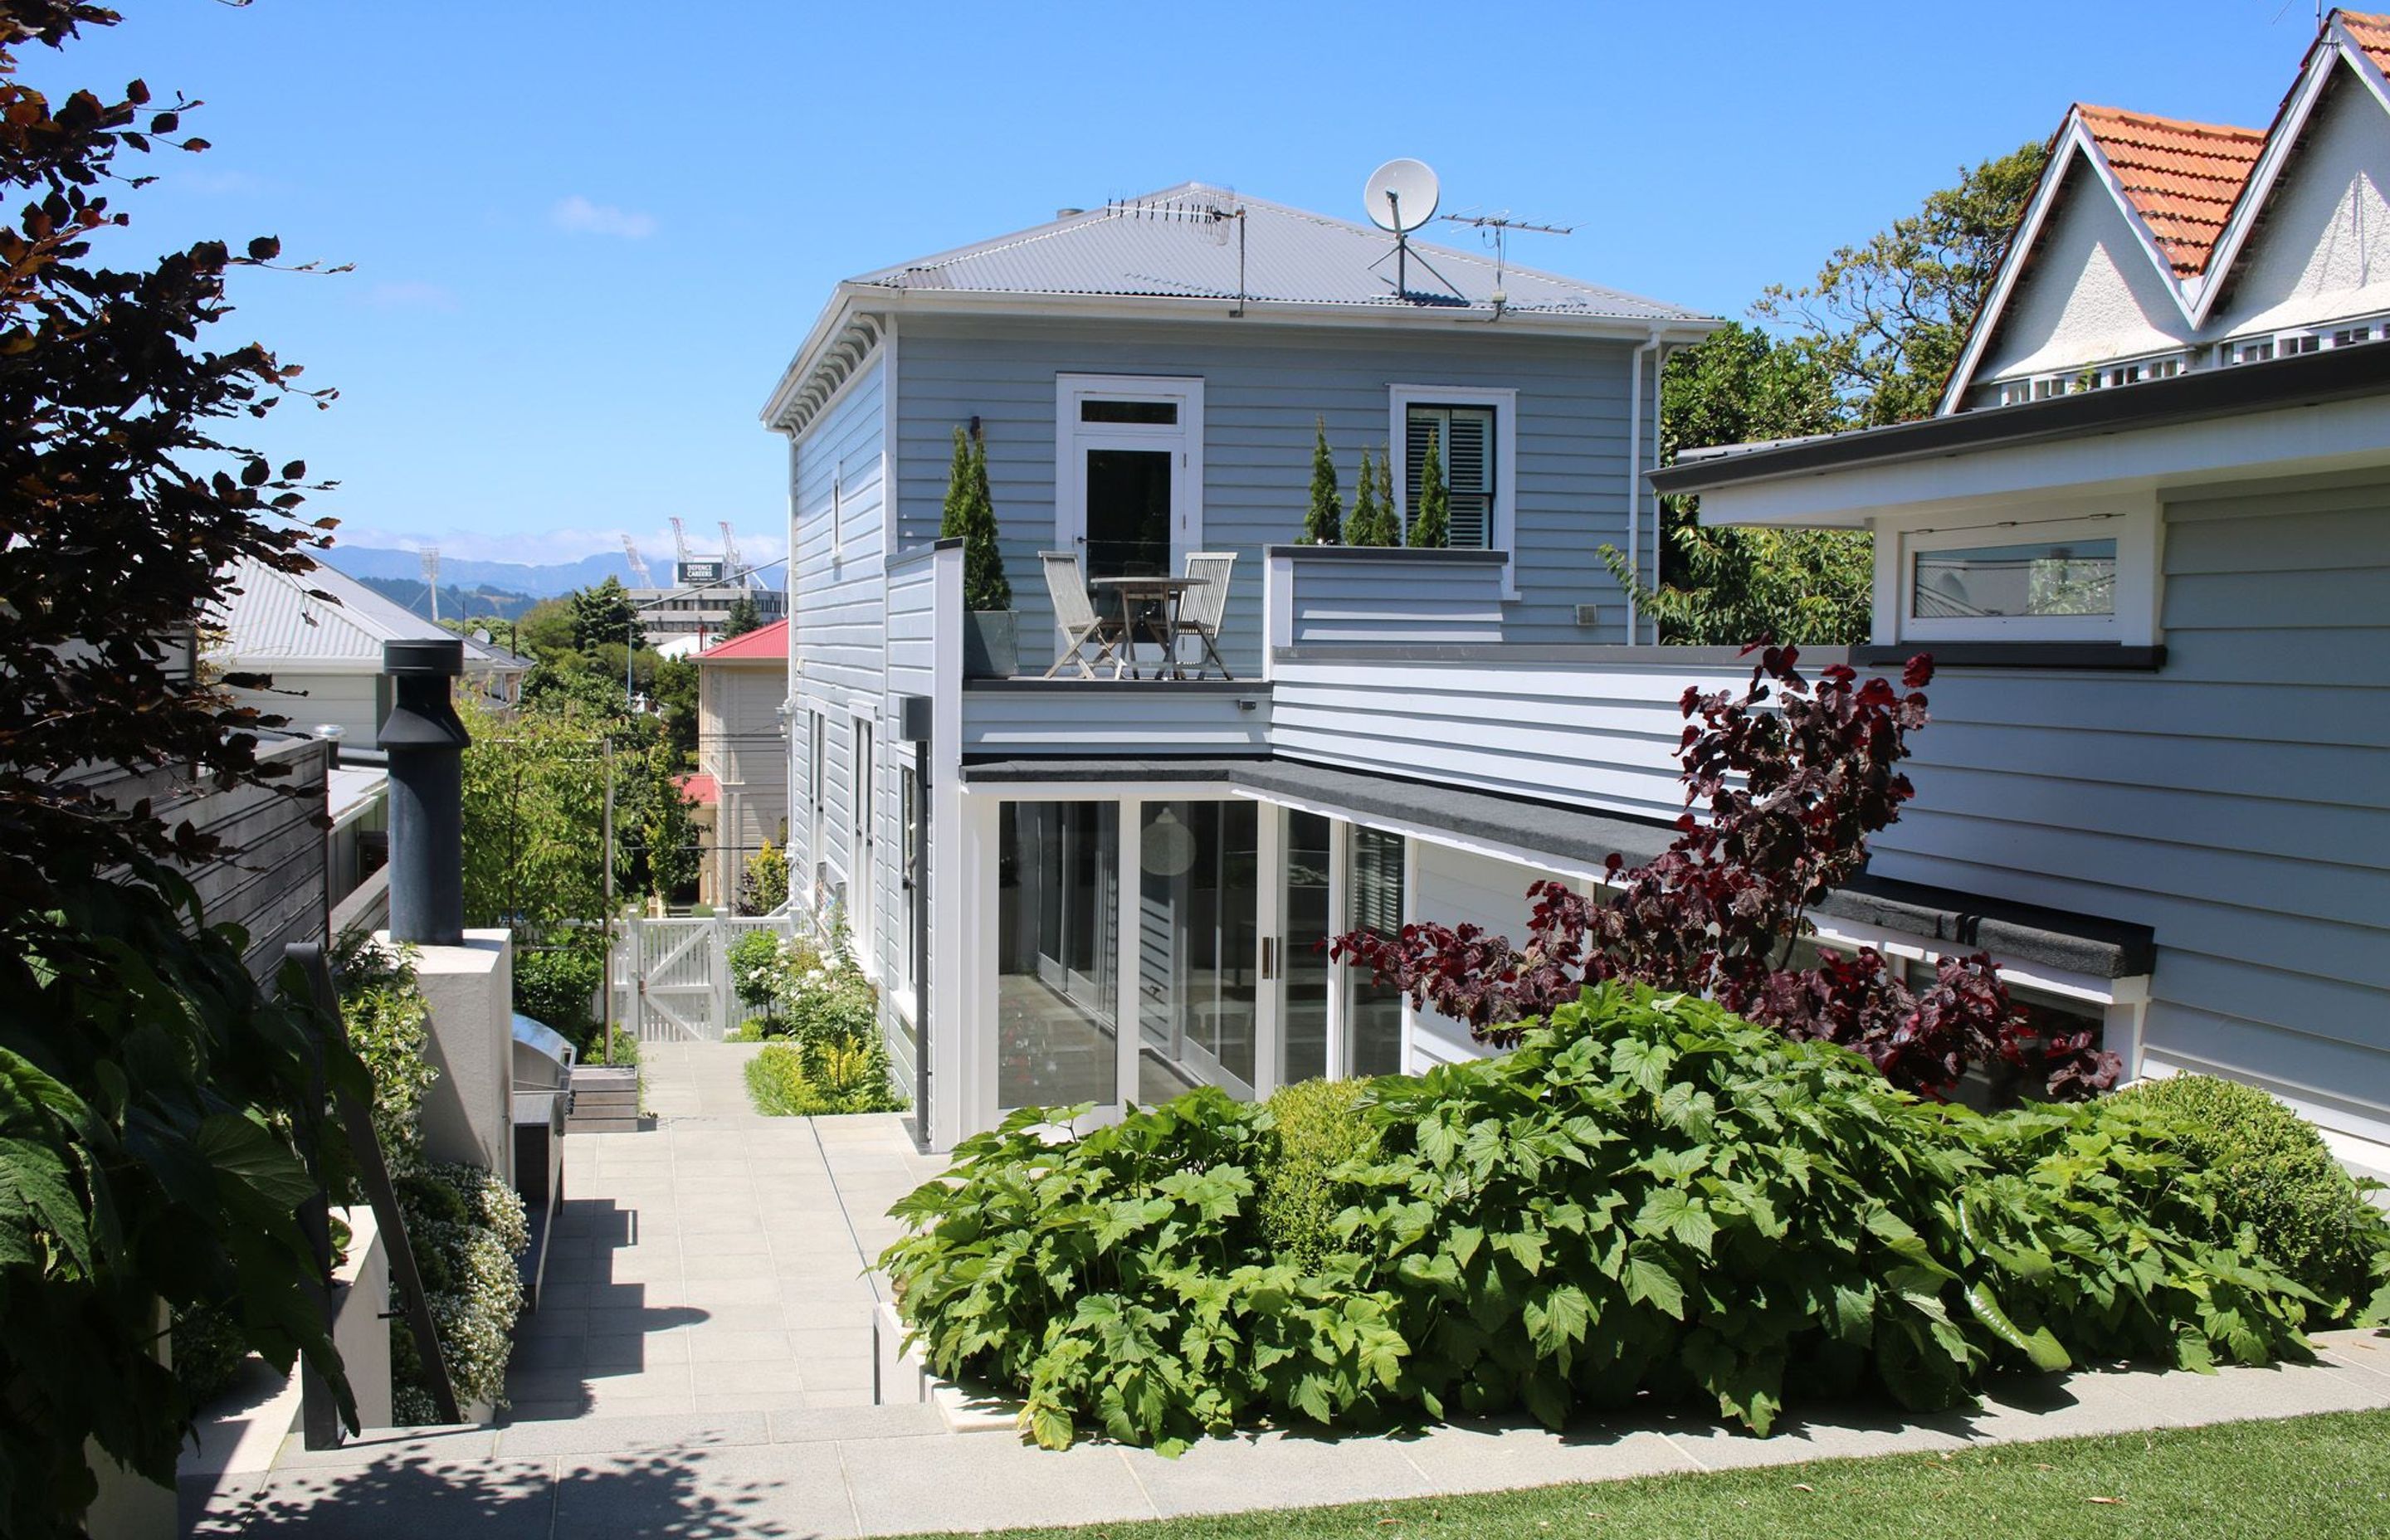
(467, 1114)
(360, 1326)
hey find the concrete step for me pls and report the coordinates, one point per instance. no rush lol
(631, 1124)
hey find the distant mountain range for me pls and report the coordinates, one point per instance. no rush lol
(455, 603)
(511, 577)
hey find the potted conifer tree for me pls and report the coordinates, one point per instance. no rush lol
(1324, 526)
(991, 630)
(1432, 528)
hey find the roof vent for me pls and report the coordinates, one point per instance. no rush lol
(1065, 214)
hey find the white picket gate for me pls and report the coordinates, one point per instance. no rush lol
(670, 978)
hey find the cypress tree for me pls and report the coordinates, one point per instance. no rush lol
(969, 516)
(1432, 529)
(1360, 526)
(1326, 502)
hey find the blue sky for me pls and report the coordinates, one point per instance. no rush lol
(587, 237)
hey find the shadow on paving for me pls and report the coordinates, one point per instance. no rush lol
(656, 1495)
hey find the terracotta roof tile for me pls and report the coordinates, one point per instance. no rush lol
(2181, 177)
(2371, 34)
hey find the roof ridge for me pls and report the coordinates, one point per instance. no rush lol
(2192, 124)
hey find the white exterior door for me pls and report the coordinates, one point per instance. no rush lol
(1129, 472)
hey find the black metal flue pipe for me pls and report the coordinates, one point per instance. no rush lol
(426, 745)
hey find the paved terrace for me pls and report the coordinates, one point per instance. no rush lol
(700, 1366)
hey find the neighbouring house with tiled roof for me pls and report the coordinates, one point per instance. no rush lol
(2156, 246)
(2148, 541)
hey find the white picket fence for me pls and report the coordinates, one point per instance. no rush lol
(670, 978)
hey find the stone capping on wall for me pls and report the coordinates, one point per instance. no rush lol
(2092, 656)
(912, 554)
(1160, 688)
(1388, 553)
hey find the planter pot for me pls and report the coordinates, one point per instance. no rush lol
(991, 644)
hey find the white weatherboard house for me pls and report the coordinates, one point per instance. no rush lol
(1105, 891)
(2149, 541)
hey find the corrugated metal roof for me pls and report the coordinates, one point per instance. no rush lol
(269, 619)
(1185, 242)
(766, 644)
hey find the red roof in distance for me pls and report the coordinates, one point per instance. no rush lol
(766, 644)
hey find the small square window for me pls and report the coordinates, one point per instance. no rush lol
(2254, 353)
(2293, 346)
(2166, 368)
(2350, 336)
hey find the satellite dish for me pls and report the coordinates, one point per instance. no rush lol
(1401, 196)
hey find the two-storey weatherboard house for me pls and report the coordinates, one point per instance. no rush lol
(2148, 537)
(1111, 913)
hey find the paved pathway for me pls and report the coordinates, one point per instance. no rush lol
(717, 1263)
(891, 1471)
(701, 1366)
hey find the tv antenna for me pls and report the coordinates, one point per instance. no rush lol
(1401, 196)
(1496, 228)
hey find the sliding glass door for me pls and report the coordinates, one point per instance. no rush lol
(1058, 950)
(1198, 947)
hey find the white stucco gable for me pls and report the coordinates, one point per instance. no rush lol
(2092, 292)
(2322, 251)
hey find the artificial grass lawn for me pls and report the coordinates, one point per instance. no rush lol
(2313, 1476)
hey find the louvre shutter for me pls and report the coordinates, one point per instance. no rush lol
(1464, 436)
(1377, 882)
(1468, 471)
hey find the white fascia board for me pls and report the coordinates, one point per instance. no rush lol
(827, 325)
(2073, 139)
(2280, 141)
(2288, 441)
(1109, 307)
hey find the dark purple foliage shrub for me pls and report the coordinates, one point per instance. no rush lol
(1795, 776)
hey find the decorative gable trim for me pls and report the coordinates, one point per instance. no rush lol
(2074, 141)
(2335, 47)
(844, 341)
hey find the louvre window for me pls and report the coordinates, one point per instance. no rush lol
(1464, 439)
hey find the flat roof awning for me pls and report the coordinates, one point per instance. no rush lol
(1584, 839)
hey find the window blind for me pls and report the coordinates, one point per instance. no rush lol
(1377, 882)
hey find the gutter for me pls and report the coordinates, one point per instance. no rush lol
(1634, 469)
(2307, 379)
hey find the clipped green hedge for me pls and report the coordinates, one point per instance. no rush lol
(1316, 1128)
(2273, 1172)
(1648, 1196)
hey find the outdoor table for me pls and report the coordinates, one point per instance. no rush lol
(1149, 607)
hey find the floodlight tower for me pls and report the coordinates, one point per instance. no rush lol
(737, 567)
(638, 563)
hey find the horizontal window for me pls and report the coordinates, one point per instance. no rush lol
(2058, 577)
(1146, 413)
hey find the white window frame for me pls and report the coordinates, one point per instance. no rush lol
(863, 837)
(2134, 529)
(1505, 403)
(1186, 436)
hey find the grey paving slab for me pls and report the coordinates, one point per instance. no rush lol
(1850, 1432)
(632, 1435)
(407, 1500)
(1228, 1475)
(785, 1492)
(797, 1425)
(1485, 1456)
(901, 1486)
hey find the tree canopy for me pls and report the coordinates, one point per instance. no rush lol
(154, 1101)
(1870, 340)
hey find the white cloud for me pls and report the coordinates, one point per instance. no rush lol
(410, 294)
(582, 217)
(537, 547)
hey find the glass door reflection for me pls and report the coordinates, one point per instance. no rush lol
(1198, 947)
